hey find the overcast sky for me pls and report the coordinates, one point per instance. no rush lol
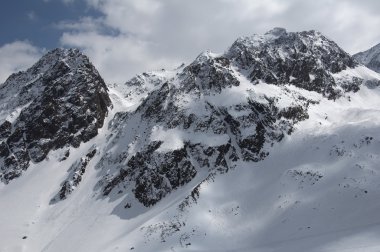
(126, 37)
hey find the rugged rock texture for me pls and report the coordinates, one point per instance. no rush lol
(305, 59)
(208, 74)
(60, 101)
(370, 58)
(76, 173)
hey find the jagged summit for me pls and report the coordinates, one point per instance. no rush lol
(60, 101)
(259, 39)
(308, 60)
(28, 83)
(72, 56)
(370, 58)
(277, 31)
(305, 59)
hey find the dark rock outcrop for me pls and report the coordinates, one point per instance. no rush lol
(76, 173)
(62, 101)
(305, 59)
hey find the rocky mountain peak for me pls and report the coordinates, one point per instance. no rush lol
(277, 32)
(208, 73)
(73, 57)
(305, 59)
(60, 101)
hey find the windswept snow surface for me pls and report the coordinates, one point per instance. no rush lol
(318, 190)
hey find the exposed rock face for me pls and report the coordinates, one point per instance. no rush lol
(62, 100)
(370, 58)
(208, 74)
(305, 59)
(76, 173)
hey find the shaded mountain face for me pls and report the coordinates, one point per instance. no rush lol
(60, 101)
(370, 58)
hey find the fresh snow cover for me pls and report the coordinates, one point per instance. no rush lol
(360, 72)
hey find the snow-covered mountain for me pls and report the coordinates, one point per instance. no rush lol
(370, 58)
(270, 146)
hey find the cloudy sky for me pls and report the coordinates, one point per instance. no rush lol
(126, 37)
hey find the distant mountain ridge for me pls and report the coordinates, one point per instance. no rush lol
(370, 58)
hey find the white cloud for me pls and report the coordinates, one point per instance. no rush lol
(116, 58)
(83, 24)
(31, 15)
(133, 36)
(17, 56)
